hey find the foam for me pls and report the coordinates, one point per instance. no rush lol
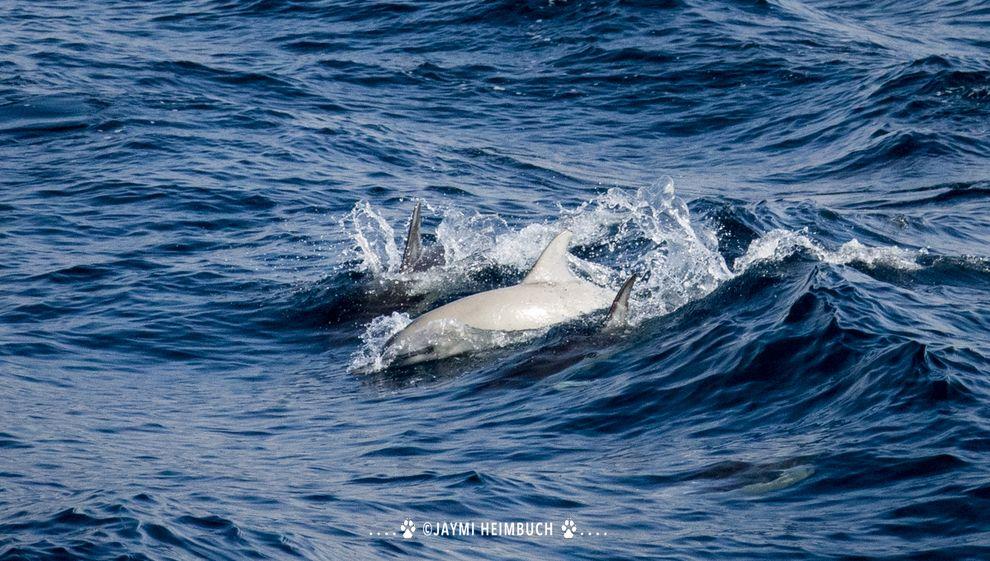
(780, 244)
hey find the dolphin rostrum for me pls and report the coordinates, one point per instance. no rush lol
(549, 295)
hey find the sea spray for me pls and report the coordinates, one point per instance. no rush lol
(648, 232)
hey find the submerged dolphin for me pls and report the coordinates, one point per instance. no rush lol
(549, 295)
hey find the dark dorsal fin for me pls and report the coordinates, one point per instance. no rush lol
(618, 314)
(414, 244)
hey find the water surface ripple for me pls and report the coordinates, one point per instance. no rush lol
(201, 206)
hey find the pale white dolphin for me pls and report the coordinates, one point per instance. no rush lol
(549, 295)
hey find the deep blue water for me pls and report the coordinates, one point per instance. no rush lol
(202, 204)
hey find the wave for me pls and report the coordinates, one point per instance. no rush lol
(778, 245)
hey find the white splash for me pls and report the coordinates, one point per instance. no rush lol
(680, 263)
(648, 232)
(779, 244)
(370, 357)
(374, 239)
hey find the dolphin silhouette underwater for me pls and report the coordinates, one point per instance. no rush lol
(549, 295)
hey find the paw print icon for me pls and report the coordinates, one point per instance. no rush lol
(569, 528)
(407, 528)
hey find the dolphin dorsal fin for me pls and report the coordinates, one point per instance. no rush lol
(551, 267)
(414, 243)
(618, 314)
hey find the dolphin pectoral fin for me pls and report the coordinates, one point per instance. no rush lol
(414, 242)
(618, 314)
(551, 267)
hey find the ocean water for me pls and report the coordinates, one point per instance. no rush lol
(202, 208)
